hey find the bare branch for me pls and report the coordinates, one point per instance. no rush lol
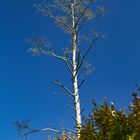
(41, 130)
(62, 86)
(79, 57)
(86, 53)
(64, 94)
(81, 16)
(75, 119)
(31, 131)
(87, 69)
(39, 50)
(82, 111)
(71, 107)
(59, 57)
(67, 61)
(70, 130)
(81, 84)
(44, 9)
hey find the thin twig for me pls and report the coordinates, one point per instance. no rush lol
(64, 87)
(82, 14)
(45, 10)
(64, 94)
(81, 84)
(86, 53)
(71, 107)
(47, 129)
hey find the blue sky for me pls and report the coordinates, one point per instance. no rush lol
(25, 88)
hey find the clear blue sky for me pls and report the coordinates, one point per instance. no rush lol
(25, 88)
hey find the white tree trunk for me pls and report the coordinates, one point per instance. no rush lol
(76, 92)
(75, 78)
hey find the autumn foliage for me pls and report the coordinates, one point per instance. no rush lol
(108, 123)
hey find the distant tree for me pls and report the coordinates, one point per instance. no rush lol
(70, 16)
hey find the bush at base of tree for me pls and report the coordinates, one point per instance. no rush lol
(108, 123)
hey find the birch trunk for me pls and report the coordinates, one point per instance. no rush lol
(76, 92)
(75, 78)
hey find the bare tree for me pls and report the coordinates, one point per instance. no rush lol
(70, 16)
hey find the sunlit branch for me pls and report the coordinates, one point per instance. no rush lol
(30, 131)
(70, 130)
(67, 61)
